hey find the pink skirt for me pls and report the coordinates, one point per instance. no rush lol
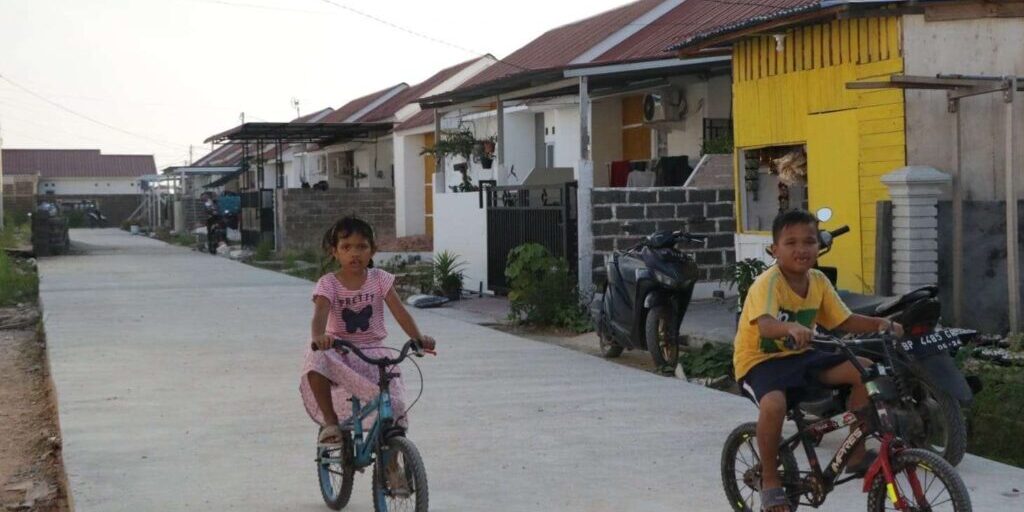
(350, 376)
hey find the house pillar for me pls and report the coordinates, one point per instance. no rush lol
(585, 185)
(915, 192)
(439, 170)
(499, 149)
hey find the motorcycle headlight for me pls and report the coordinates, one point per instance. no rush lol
(665, 280)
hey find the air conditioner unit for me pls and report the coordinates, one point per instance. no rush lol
(664, 106)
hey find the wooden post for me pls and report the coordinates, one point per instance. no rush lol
(1012, 257)
(439, 170)
(883, 248)
(958, 221)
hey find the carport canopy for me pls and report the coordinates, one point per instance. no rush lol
(315, 133)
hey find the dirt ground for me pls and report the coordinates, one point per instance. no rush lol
(31, 467)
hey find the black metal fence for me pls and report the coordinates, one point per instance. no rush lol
(543, 214)
(257, 217)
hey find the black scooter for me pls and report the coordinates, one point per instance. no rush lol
(933, 388)
(643, 295)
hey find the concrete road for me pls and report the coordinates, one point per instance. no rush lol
(177, 378)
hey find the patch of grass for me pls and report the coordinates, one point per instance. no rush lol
(18, 281)
(264, 250)
(997, 410)
(711, 360)
(15, 233)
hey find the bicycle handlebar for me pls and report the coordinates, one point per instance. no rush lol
(411, 345)
(843, 346)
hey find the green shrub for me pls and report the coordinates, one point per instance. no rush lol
(542, 291)
(264, 250)
(717, 146)
(448, 274)
(712, 360)
(76, 218)
(18, 281)
(997, 410)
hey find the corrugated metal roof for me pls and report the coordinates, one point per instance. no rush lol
(685, 20)
(781, 9)
(75, 163)
(347, 110)
(387, 110)
(558, 47)
(421, 118)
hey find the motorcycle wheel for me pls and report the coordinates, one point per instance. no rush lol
(609, 349)
(945, 429)
(662, 342)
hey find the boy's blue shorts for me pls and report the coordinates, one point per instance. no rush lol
(791, 375)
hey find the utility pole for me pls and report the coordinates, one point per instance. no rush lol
(241, 118)
(190, 154)
(295, 104)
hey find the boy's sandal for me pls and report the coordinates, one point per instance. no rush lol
(774, 498)
(861, 468)
(331, 434)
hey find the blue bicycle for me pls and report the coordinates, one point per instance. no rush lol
(399, 478)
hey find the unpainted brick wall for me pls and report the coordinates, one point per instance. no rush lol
(305, 214)
(623, 216)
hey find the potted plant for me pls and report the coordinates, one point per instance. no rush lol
(457, 143)
(742, 275)
(448, 274)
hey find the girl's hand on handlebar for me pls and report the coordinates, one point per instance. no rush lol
(322, 342)
(799, 334)
(427, 343)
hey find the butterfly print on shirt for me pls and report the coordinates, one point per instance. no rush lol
(357, 321)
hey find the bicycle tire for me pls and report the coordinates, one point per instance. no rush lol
(336, 498)
(746, 434)
(925, 459)
(415, 474)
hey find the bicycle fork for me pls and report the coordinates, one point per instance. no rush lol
(884, 465)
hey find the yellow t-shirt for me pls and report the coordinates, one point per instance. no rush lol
(771, 295)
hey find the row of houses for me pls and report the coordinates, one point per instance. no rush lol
(705, 115)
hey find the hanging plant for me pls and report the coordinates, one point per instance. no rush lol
(452, 143)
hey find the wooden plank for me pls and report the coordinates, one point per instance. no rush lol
(835, 45)
(881, 126)
(876, 169)
(808, 47)
(817, 52)
(791, 51)
(894, 33)
(881, 70)
(882, 154)
(882, 97)
(874, 52)
(878, 140)
(880, 112)
(862, 42)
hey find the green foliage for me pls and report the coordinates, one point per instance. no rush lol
(14, 233)
(18, 281)
(264, 250)
(542, 291)
(717, 146)
(448, 274)
(76, 218)
(997, 409)
(712, 360)
(454, 142)
(741, 275)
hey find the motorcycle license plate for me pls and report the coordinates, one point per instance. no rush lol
(936, 342)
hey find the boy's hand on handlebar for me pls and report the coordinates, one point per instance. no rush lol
(894, 328)
(799, 334)
(322, 342)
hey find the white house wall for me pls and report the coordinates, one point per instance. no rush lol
(460, 226)
(991, 47)
(95, 186)
(409, 185)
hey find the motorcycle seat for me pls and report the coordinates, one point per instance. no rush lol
(896, 303)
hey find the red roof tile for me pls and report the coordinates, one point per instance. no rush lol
(388, 109)
(75, 163)
(347, 110)
(558, 47)
(685, 20)
(224, 155)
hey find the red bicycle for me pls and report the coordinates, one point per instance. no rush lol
(901, 478)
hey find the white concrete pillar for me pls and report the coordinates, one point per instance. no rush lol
(915, 192)
(410, 203)
(585, 185)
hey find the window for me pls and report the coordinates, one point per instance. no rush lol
(774, 181)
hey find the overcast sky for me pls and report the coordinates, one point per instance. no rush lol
(155, 76)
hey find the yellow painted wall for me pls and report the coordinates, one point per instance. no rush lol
(777, 94)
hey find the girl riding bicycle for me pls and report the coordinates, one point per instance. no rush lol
(349, 304)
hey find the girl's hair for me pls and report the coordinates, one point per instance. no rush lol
(345, 227)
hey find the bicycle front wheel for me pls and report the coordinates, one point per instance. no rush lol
(335, 470)
(924, 480)
(399, 478)
(741, 470)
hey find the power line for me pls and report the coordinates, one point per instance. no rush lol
(87, 118)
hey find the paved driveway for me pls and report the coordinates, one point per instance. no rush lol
(177, 378)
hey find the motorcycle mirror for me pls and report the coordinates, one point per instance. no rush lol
(824, 214)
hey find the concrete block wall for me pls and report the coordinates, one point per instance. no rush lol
(305, 214)
(621, 217)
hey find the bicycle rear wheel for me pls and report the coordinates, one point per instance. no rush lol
(741, 470)
(925, 480)
(399, 478)
(335, 472)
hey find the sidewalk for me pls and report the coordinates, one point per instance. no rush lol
(177, 375)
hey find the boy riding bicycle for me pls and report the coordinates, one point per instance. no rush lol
(787, 301)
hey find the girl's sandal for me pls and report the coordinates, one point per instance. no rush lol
(331, 435)
(774, 498)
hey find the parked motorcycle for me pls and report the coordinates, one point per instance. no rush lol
(643, 296)
(94, 217)
(223, 214)
(933, 388)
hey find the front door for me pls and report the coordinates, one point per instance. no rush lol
(833, 181)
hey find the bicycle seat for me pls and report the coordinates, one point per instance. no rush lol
(821, 401)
